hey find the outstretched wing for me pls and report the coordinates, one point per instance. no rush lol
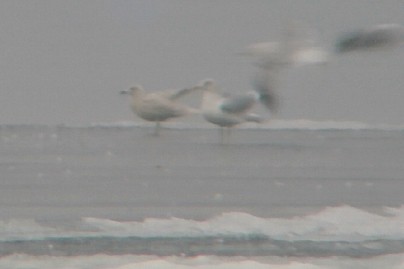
(375, 37)
(299, 45)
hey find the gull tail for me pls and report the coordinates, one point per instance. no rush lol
(252, 117)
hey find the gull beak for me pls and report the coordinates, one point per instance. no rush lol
(124, 92)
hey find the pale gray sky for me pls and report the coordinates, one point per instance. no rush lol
(64, 62)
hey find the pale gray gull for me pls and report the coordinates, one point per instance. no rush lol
(159, 106)
(227, 111)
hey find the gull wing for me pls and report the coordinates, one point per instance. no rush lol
(238, 104)
(299, 45)
(313, 55)
(175, 94)
(382, 35)
(157, 107)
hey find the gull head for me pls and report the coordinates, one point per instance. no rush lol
(205, 85)
(133, 90)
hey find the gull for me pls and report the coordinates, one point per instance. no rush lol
(158, 106)
(227, 111)
(298, 47)
(379, 36)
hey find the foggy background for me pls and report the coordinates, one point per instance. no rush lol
(64, 62)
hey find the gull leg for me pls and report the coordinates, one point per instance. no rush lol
(228, 133)
(224, 133)
(157, 129)
(221, 135)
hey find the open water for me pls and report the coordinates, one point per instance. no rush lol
(290, 194)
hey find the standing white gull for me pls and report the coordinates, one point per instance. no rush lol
(158, 106)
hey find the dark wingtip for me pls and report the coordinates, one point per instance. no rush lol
(264, 84)
(270, 101)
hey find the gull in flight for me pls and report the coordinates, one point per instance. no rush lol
(227, 111)
(159, 106)
(376, 37)
(299, 46)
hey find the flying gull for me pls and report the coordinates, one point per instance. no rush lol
(299, 46)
